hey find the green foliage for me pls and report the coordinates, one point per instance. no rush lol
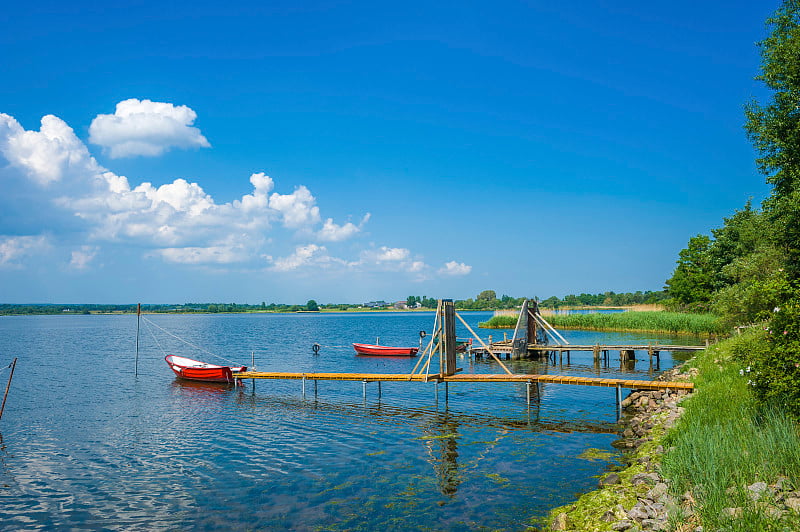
(693, 279)
(499, 322)
(773, 360)
(774, 128)
(726, 441)
(312, 306)
(487, 295)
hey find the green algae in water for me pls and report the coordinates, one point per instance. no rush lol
(593, 455)
(497, 478)
(376, 453)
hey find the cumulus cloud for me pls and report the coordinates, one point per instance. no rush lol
(455, 268)
(297, 209)
(178, 221)
(47, 155)
(14, 249)
(302, 256)
(81, 258)
(331, 232)
(144, 127)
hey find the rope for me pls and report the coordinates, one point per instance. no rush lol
(186, 342)
(156, 341)
(336, 346)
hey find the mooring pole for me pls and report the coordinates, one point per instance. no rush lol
(253, 367)
(138, 319)
(528, 393)
(364, 383)
(304, 387)
(619, 402)
(5, 395)
(379, 389)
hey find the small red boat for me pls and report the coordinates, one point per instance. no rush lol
(194, 370)
(385, 350)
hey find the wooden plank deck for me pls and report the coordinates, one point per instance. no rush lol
(471, 377)
(503, 347)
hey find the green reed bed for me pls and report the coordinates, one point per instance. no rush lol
(661, 321)
(725, 442)
(499, 322)
(653, 321)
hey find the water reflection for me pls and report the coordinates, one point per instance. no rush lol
(442, 435)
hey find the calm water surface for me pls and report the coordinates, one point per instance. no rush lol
(85, 444)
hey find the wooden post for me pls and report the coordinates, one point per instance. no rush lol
(5, 395)
(138, 319)
(533, 326)
(596, 351)
(449, 337)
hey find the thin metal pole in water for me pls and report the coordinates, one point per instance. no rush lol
(315, 388)
(304, 387)
(379, 389)
(253, 367)
(138, 319)
(364, 385)
(528, 393)
(619, 402)
(5, 395)
(446, 392)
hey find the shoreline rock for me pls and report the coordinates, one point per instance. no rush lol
(636, 497)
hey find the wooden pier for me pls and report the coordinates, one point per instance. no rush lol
(530, 336)
(470, 377)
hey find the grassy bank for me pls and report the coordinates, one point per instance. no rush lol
(672, 322)
(730, 463)
(725, 443)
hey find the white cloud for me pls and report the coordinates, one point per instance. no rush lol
(206, 255)
(297, 209)
(385, 254)
(302, 256)
(331, 232)
(47, 155)
(81, 258)
(15, 249)
(177, 221)
(455, 268)
(144, 127)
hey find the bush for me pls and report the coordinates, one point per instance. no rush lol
(772, 357)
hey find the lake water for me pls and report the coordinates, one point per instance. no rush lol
(86, 444)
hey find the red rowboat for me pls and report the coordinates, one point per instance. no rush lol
(385, 350)
(194, 370)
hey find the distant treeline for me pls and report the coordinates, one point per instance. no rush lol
(486, 300)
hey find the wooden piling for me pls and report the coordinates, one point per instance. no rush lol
(8, 386)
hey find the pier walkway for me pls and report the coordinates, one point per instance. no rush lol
(471, 377)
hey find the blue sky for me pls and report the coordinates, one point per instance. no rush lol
(352, 151)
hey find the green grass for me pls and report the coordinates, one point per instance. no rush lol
(726, 441)
(499, 322)
(660, 321)
(652, 321)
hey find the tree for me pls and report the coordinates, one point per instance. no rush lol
(487, 295)
(312, 306)
(774, 128)
(692, 280)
